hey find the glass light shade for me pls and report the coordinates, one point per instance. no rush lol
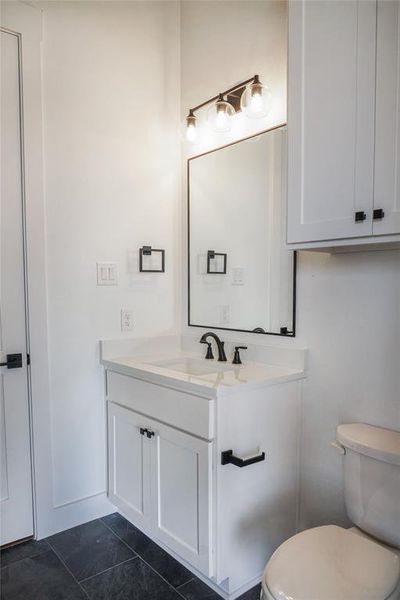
(256, 100)
(220, 115)
(191, 130)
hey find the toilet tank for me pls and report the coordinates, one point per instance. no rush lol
(372, 479)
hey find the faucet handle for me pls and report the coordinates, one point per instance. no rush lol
(236, 356)
(209, 353)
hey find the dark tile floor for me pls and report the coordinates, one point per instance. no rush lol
(105, 559)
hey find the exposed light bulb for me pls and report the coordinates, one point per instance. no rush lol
(256, 103)
(256, 100)
(220, 115)
(221, 120)
(191, 131)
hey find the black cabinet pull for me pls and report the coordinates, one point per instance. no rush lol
(147, 432)
(379, 213)
(360, 216)
(227, 457)
(13, 361)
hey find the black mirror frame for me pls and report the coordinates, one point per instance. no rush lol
(284, 332)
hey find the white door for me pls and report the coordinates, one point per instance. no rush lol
(182, 493)
(16, 485)
(331, 91)
(387, 136)
(129, 464)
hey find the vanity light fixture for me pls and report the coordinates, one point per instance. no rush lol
(191, 131)
(220, 114)
(251, 96)
(255, 102)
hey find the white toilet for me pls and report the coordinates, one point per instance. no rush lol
(361, 563)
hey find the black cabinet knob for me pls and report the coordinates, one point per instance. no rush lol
(360, 216)
(378, 213)
(147, 432)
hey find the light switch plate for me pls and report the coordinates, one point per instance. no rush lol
(126, 319)
(107, 273)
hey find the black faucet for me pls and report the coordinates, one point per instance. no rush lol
(220, 345)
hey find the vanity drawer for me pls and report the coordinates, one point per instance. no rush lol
(184, 411)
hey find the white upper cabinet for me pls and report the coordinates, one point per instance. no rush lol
(343, 122)
(387, 135)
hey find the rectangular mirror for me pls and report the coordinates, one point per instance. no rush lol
(241, 276)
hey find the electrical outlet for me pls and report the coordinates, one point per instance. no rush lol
(237, 276)
(224, 314)
(126, 319)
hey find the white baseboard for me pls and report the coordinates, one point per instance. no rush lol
(76, 513)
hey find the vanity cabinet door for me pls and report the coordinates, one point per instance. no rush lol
(331, 91)
(387, 137)
(129, 464)
(182, 493)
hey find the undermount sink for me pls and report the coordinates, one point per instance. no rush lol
(192, 366)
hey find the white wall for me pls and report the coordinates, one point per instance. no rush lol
(225, 42)
(348, 305)
(349, 318)
(111, 149)
(111, 152)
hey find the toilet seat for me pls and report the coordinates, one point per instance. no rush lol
(331, 563)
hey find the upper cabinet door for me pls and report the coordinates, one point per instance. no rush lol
(331, 92)
(387, 136)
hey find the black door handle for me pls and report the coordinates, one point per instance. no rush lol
(13, 361)
(227, 457)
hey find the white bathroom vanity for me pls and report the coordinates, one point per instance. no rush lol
(203, 455)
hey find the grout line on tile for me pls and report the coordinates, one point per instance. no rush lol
(109, 568)
(150, 566)
(14, 562)
(187, 582)
(69, 570)
(182, 584)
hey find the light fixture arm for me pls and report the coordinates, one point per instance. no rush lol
(254, 79)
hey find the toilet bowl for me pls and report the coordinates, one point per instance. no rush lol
(332, 563)
(360, 563)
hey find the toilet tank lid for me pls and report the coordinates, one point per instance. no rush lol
(376, 442)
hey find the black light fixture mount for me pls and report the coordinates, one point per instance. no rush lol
(231, 97)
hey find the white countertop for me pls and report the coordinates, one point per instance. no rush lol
(194, 374)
